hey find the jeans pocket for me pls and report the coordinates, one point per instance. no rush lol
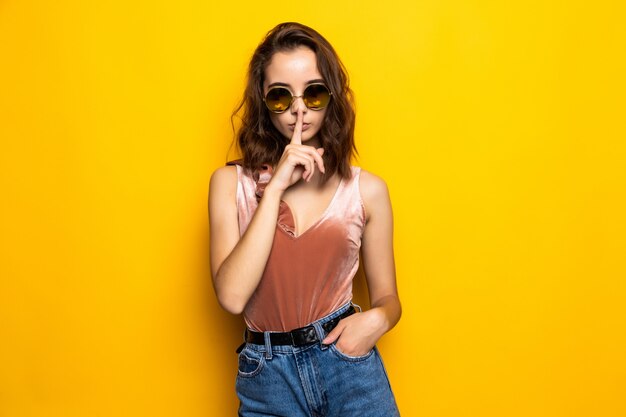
(250, 363)
(333, 348)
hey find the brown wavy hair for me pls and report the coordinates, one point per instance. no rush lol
(259, 141)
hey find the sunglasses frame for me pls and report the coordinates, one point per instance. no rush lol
(330, 94)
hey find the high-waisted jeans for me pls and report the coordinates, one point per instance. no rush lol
(312, 381)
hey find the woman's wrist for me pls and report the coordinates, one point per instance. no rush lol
(387, 313)
(379, 320)
(272, 193)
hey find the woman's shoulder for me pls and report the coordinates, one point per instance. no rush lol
(228, 172)
(371, 185)
(224, 172)
(224, 177)
(374, 192)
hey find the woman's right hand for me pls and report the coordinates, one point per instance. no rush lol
(297, 162)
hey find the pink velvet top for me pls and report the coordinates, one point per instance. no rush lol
(308, 276)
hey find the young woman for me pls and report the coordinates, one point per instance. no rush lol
(287, 224)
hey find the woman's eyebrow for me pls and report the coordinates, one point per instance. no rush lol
(279, 84)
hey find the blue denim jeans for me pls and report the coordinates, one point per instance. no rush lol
(313, 381)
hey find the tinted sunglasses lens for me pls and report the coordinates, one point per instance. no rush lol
(278, 100)
(316, 96)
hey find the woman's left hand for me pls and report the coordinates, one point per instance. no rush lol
(357, 334)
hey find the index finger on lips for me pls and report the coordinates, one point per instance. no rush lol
(296, 139)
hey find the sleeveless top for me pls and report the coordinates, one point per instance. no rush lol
(309, 276)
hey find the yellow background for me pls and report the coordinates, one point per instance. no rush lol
(499, 127)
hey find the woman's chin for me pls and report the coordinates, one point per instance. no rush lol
(306, 136)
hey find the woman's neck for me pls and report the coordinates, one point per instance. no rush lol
(314, 142)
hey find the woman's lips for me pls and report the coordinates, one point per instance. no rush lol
(305, 126)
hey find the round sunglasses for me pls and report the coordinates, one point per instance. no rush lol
(315, 96)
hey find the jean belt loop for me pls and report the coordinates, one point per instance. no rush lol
(321, 334)
(356, 305)
(268, 345)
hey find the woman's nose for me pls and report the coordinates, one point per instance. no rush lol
(298, 104)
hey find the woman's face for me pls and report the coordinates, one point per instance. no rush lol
(295, 69)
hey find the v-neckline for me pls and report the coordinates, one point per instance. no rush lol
(289, 212)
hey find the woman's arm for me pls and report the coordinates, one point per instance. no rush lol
(237, 265)
(357, 334)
